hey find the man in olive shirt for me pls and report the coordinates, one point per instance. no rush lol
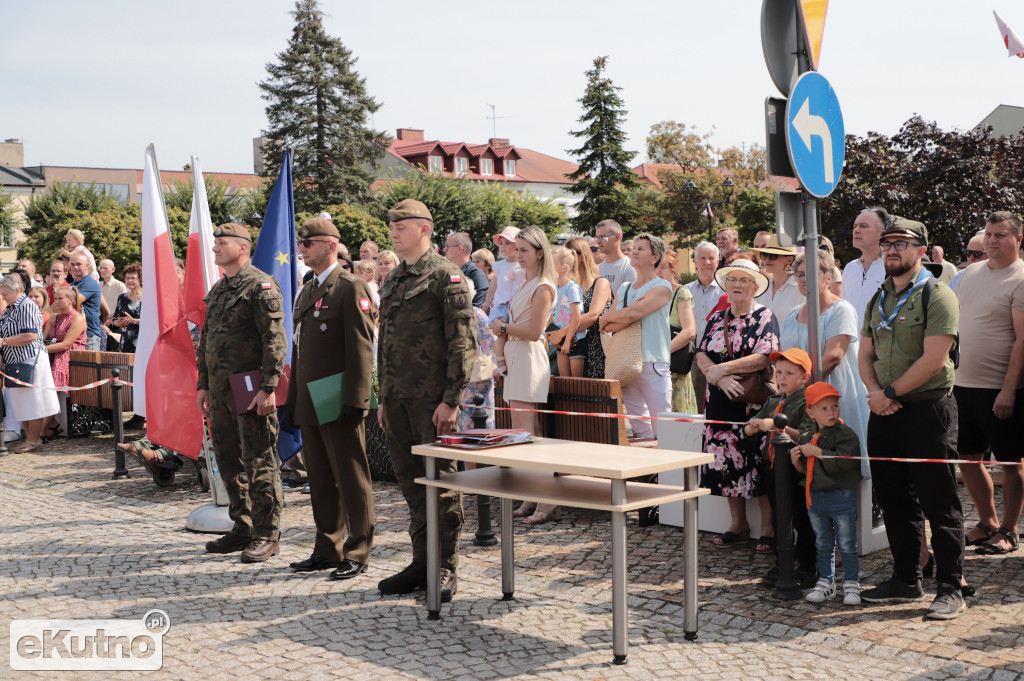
(424, 358)
(905, 363)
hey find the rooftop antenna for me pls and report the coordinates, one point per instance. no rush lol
(494, 118)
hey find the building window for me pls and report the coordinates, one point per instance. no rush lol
(487, 166)
(436, 164)
(461, 165)
(510, 168)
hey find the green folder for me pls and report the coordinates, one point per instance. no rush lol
(326, 395)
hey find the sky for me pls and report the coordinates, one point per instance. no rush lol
(92, 83)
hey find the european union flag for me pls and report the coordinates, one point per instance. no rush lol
(275, 255)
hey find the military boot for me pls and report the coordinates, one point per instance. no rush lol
(405, 582)
(260, 550)
(229, 543)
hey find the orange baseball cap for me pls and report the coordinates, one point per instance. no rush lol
(816, 392)
(795, 355)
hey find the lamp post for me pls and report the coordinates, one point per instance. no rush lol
(697, 198)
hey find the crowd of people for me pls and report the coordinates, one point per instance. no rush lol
(916, 357)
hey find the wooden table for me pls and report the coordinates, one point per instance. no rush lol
(593, 476)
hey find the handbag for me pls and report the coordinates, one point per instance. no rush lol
(682, 359)
(623, 358)
(757, 386)
(22, 372)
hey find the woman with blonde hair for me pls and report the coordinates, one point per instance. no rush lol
(529, 370)
(386, 261)
(74, 241)
(597, 296)
(484, 261)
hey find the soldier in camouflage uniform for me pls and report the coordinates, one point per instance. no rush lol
(425, 354)
(243, 331)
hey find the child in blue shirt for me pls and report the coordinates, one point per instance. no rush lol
(566, 316)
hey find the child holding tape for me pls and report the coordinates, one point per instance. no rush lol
(831, 492)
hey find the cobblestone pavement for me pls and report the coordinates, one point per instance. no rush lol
(75, 544)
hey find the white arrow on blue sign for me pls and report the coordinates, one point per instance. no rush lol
(817, 137)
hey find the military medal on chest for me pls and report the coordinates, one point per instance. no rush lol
(323, 326)
(316, 312)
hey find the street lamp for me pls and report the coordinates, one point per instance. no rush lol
(698, 199)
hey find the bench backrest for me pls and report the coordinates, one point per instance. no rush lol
(590, 395)
(87, 366)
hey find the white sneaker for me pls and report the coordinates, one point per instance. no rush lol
(11, 436)
(851, 593)
(822, 591)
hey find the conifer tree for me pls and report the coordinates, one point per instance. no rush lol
(604, 177)
(319, 104)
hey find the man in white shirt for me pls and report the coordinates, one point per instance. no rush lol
(948, 269)
(784, 294)
(706, 293)
(975, 253)
(616, 267)
(863, 276)
(111, 289)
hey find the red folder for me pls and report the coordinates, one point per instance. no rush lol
(245, 385)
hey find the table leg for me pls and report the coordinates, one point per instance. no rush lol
(690, 482)
(508, 551)
(620, 620)
(433, 547)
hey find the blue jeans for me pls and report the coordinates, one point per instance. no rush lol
(834, 519)
(93, 343)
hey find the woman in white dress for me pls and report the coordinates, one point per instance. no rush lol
(21, 345)
(526, 357)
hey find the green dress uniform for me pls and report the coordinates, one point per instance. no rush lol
(334, 327)
(244, 331)
(425, 355)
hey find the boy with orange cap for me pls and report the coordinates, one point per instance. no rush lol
(792, 371)
(831, 492)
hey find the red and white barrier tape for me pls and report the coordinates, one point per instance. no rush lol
(606, 415)
(63, 388)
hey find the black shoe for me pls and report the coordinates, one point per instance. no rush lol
(292, 484)
(348, 569)
(806, 579)
(649, 516)
(449, 585)
(405, 582)
(314, 563)
(770, 577)
(893, 590)
(229, 543)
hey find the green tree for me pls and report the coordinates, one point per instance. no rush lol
(755, 211)
(604, 177)
(319, 105)
(356, 225)
(224, 207)
(8, 219)
(673, 142)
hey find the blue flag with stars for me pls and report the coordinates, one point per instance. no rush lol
(275, 255)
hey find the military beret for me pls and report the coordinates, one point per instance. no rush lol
(318, 227)
(232, 229)
(409, 208)
(904, 227)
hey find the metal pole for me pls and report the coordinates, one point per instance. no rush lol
(690, 483)
(786, 588)
(508, 552)
(620, 620)
(813, 304)
(484, 533)
(433, 545)
(3, 416)
(120, 471)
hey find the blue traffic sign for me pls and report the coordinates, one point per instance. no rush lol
(815, 135)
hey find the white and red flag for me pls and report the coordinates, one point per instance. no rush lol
(201, 273)
(707, 210)
(165, 361)
(1014, 45)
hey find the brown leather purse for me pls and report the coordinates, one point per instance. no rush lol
(757, 386)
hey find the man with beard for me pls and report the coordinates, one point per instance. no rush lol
(905, 362)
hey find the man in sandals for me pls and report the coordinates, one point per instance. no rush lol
(988, 381)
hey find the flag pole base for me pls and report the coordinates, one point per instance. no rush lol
(210, 518)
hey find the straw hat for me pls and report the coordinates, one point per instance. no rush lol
(774, 248)
(741, 266)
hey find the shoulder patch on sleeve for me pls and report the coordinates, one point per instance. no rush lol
(364, 304)
(455, 278)
(266, 286)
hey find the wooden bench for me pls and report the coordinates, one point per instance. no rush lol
(591, 395)
(89, 366)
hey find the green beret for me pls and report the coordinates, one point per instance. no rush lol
(232, 229)
(409, 208)
(904, 227)
(318, 227)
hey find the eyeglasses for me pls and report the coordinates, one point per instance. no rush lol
(594, 249)
(732, 281)
(770, 256)
(975, 254)
(822, 247)
(306, 243)
(602, 236)
(900, 246)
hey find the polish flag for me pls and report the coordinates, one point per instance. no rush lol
(1013, 44)
(165, 362)
(707, 210)
(201, 273)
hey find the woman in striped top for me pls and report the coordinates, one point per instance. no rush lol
(21, 342)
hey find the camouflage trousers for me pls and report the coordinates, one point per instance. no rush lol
(407, 422)
(246, 449)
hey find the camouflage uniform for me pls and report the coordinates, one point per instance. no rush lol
(425, 354)
(244, 330)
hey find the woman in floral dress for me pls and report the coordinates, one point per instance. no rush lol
(753, 334)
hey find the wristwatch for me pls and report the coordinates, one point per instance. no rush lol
(503, 328)
(267, 389)
(890, 392)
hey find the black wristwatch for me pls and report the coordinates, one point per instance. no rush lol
(267, 389)
(503, 328)
(890, 392)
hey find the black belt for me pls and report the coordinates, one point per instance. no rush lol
(926, 395)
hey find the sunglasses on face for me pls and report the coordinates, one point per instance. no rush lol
(594, 249)
(975, 254)
(306, 243)
(770, 256)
